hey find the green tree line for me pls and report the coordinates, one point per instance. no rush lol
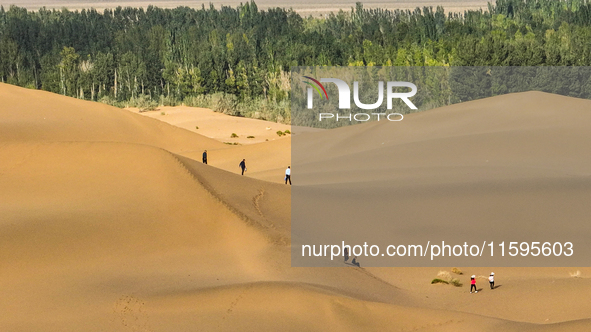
(238, 60)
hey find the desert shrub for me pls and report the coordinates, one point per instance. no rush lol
(217, 102)
(196, 127)
(280, 133)
(143, 103)
(106, 100)
(162, 113)
(457, 271)
(233, 135)
(204, 101)
(575, 274)
(439, 281)
(250, 137)
(168, 101)
(231, 143)
(445, 277)
(287, 132)
(260, 108)
(456, 282)
(149, 107)
(110, 101)
(257, 108)
(225, 103)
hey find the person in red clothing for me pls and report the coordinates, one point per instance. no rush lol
(473, 284)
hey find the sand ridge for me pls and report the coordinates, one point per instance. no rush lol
(264, 161)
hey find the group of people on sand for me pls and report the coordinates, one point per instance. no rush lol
(491, 281)
(354, 261)
(242, 166)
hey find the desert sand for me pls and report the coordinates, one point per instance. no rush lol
(217, 125)
(264, 161)
(110, 222)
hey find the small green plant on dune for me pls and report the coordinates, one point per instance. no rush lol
(233, 135)
(457, 271)
(444, 277)
(287, 132)
(196, 127)
(250, 137)
(456, 282)
(231, 143)
(162, 113)
(148, 108)
(280, 133)
(439, 281)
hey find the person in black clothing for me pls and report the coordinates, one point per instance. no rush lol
(205, 157)
(346, 254)
(243, 165)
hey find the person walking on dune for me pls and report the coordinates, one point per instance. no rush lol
(288, 175)
(205, 157)
(243, 166)
(491, 280)
(473, 284)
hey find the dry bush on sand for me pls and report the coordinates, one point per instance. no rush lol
(575, 274)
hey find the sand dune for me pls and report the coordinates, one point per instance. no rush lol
(264, 161)
(217, 125)
(108, 223)
(512, 166)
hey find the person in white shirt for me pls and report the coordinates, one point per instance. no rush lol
(288, 175)
(491, 280)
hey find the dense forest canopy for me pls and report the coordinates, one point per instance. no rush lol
(237, 60)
